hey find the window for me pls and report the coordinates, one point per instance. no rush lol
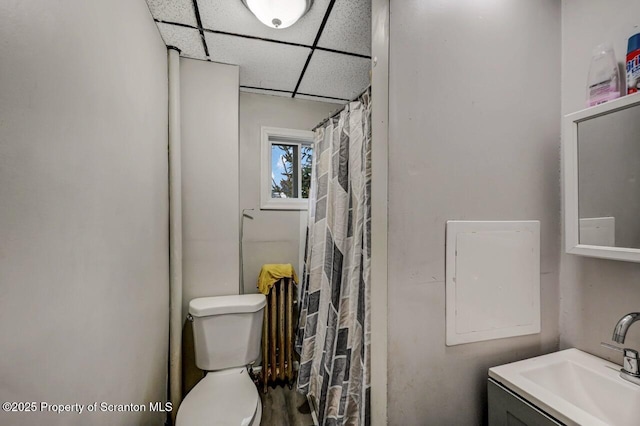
(287, 156)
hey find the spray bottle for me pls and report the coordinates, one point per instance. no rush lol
(633, 64)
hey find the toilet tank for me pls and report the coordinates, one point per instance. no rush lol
(227, 330)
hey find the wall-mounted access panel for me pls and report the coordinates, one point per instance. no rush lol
(492, 280)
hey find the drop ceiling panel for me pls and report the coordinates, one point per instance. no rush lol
(262, 64)
(276, 65)
(180, 11)
(335, 75)
(188, 40)
(233, 17)
(348, 28)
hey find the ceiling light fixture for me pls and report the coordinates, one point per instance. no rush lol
(278, 14)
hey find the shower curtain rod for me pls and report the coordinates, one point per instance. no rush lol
(320, 124)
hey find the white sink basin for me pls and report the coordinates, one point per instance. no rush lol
(574, 387)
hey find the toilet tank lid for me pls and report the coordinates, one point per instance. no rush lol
(218, 305)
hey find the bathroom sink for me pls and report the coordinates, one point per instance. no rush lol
(574, 387)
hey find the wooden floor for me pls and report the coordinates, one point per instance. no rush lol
(282, 406)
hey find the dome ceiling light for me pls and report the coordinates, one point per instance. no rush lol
(278, 14)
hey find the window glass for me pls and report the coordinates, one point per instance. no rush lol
(284, 173)
(286, 163)
(290, 170)
(305, 169)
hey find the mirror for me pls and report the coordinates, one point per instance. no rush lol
(609, 179)
(602, 180)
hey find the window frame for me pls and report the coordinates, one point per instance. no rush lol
(284, 137)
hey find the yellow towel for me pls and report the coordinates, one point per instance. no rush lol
(272, 272)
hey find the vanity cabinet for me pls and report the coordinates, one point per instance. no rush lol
(509, 409)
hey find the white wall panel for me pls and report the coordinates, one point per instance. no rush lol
(84, 266)
(210, 212)
(474, 133)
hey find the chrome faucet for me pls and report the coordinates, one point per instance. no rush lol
(620, 332)
(630, 370)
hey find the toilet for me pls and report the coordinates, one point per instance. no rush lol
(227, 332)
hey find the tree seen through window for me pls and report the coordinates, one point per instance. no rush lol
(290, 169)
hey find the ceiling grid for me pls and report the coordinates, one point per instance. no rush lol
(325, 56)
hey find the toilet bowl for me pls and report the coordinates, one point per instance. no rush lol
(227, 332)
(226, 397)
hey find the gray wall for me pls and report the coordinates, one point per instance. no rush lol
(273, 236)
(84, 300)
(594, 293)
(474, 134)
(210, 215)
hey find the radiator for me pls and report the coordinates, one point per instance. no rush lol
(277, 335)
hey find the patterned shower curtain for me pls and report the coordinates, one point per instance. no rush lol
(333, 336)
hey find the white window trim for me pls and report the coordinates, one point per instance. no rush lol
(266, 202)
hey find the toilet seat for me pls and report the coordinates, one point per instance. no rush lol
(226, 397)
